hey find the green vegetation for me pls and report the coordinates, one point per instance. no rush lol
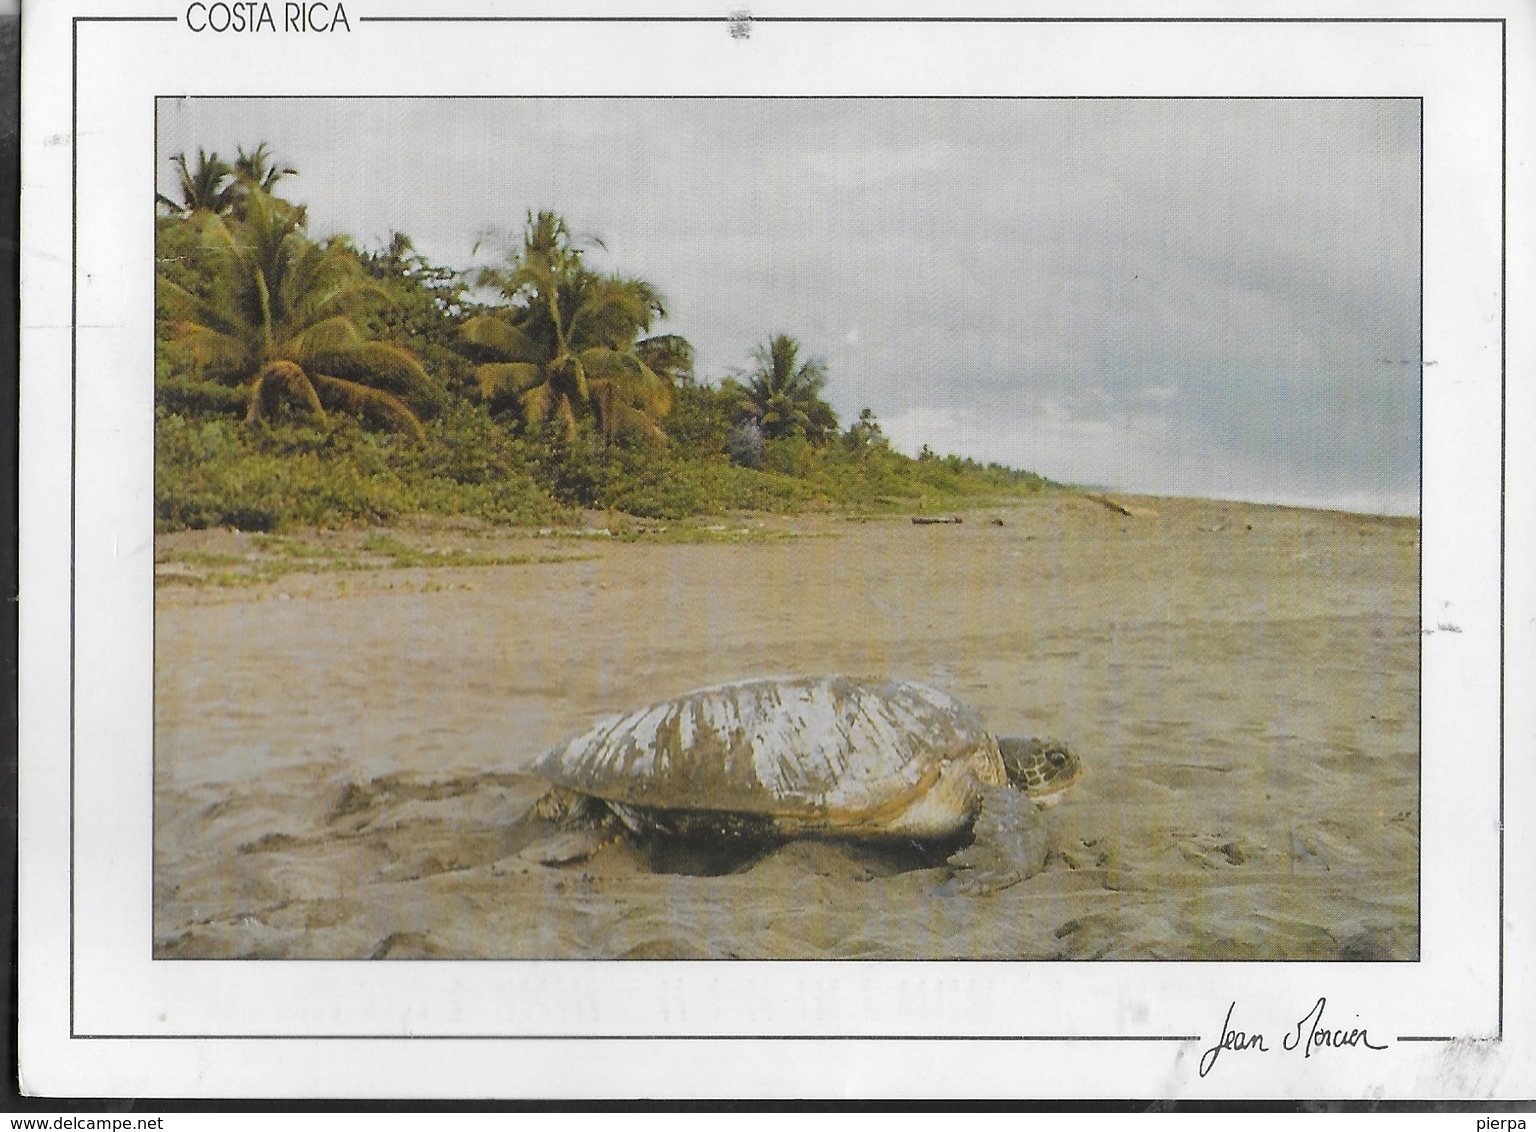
(310, 383)
(569, 342)
(783, 398)
(276, 320)
(276, 557)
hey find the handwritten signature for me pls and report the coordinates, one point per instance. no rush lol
(1308, 1035)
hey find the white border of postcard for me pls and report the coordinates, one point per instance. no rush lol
(100, 1017)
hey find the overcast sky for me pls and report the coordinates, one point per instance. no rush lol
(1215, 298)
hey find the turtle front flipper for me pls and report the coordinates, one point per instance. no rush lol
(569, 808)
(574, 828)
(1010, 844)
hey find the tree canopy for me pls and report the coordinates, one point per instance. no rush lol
(278, 320)
(288, 369)
(207, 187)
(569, 342)
(785, 397)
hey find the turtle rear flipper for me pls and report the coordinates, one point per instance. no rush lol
(569, 846)
(1010, 844)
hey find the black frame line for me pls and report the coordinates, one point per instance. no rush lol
(1503, 470)
(74, 416)
(796, 98)
(1419, 643)
(748, 18)
(1503, 454)
(653, 1037)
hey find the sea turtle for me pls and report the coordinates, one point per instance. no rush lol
(764, 760)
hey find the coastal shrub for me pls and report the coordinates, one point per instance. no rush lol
(744, 443)
(792, 456)
(467, 447)
(676, 489)
(212, 469)
(572, 471)
(700, 422)
(220, 472)
(192, 398)
(745, 489)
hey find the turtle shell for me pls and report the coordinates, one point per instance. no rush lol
(808, 752)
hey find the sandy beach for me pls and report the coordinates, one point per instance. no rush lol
(340, 753)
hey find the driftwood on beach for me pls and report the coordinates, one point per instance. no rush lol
(1120, 508)
(927, 519)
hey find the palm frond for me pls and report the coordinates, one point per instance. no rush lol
(214, 235)
(321, 339)
(669, 356)
(577, 332)
(279, 308)
(187, 307)
(618, 418)
(280, 380)
(328, 281)
(638, 384)
(784, 398)
(812, 376)
(613, 311)
(628, 395)
(536, 402)
(496, 333)
(259, 169)
(565, 416)
(205, 188)
(210, 348)
(498, 380)
(377, 364)
(371, 404)
(629, 420)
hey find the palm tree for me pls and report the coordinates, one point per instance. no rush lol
(785, 399)
(570, 341)
(669, 356)
(278, 321)
(209, 187)
(865, 433)
(259, 169)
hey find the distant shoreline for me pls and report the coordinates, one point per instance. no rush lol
(237, 562)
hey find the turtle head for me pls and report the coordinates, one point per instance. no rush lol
(1042, 768)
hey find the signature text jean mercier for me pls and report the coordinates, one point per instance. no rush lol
(1308, 1035)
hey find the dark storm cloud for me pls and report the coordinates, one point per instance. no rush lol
(1212, 297)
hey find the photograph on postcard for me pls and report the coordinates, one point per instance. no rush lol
(855, 528)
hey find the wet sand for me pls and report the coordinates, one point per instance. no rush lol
(340, 754)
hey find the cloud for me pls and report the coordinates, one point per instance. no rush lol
(940, 429)
(1147, 452)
